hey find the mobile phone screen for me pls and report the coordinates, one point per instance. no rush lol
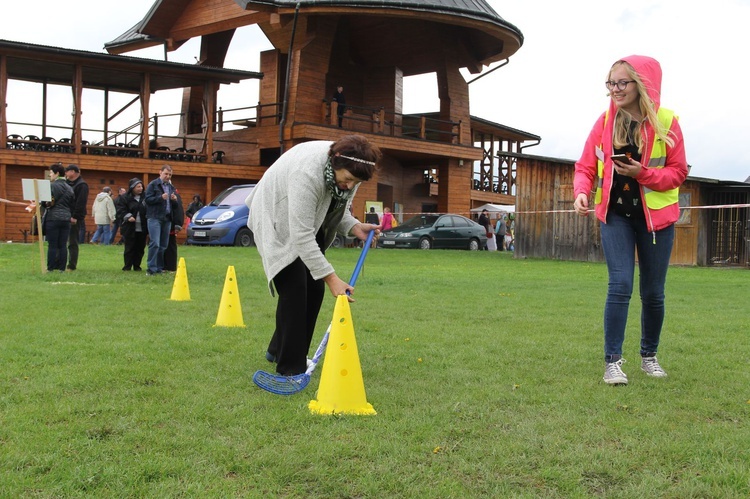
(620, 157)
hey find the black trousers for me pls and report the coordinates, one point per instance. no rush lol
(135, 247)
(300, 299)
(170, 254)
(73, 240)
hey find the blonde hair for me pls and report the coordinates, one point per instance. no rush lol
(624, 119)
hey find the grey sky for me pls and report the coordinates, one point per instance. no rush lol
(552, 87)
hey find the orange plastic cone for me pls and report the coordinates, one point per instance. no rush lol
(342, 389)
(180, 289)
(230, 310)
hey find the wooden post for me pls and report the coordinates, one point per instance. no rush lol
(39, 225)
(77, 100)
(145, 101)
(3, 98)
(324, 112)
(334, 113)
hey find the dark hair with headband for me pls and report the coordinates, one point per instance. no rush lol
(356, 154)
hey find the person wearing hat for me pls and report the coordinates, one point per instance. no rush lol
(131, 210)
(78, 216)
(103, 211)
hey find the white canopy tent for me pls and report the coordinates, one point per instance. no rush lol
(495, 208)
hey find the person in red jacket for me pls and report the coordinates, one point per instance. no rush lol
(636, 202)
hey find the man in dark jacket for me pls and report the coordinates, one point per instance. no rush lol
(339, 98)
(177, 221)
(131, 211)
(161, 201)
(484, 221)
(78, 218)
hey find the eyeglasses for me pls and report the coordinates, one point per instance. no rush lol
(621, 85)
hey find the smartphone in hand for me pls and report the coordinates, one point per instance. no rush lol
(622, 158)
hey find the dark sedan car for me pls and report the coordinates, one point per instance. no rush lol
(435, 231)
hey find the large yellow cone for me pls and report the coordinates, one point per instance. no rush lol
(230, 311)
(180, 289)
(342, 389)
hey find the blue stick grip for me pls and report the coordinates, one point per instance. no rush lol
(361, 261)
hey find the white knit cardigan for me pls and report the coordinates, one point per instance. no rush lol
(287, 208)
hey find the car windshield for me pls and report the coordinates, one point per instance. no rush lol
(420, 221)
(232, 197)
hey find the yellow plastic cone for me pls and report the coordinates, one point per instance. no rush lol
(180, 289)
(342, 389)
(230, 310)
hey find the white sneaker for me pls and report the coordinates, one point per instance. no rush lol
(652, 368)
(613, 374)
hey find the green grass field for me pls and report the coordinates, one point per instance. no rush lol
(485, 372)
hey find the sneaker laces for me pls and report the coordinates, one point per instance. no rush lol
(614, 369)
(651, 365)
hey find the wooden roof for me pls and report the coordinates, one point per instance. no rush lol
(473, 9)
(380, 25)
(31, 62)
(480, 125)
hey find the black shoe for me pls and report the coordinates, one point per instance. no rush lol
(137, 269)
(126, 268)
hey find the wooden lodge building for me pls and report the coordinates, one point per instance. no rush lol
(445, 161)
(713, 229)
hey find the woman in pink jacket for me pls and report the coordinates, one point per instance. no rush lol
(636, 201)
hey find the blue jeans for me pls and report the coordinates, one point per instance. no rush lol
(621, 238)
(102, 234)
(57, 232)
(158, 234)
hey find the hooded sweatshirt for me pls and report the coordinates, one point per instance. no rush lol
(103, 209)
(671, 176)
(131, 206)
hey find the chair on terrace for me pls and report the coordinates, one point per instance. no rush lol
(50, 147)
(64, 145)
(179, 154)
(162, 152)
(132, 150)
(14, 141)
(194, 156)
(30, 145)
(120, 151)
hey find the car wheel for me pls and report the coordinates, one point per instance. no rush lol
(425, 243)
(473, 244)
(244, 238)
(338, 242)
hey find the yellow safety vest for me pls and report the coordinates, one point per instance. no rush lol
(654, 199)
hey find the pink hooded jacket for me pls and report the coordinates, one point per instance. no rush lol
(671, 176)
